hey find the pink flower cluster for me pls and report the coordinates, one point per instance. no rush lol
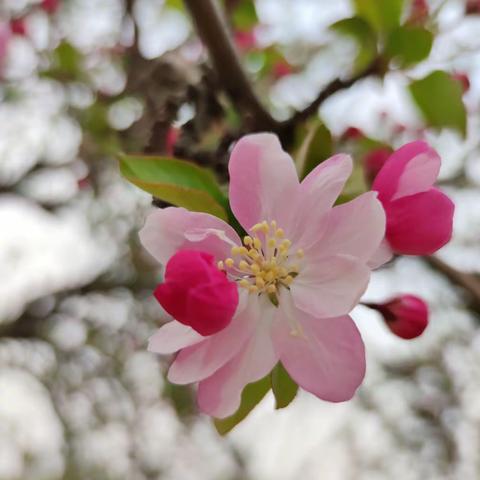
(283, 292)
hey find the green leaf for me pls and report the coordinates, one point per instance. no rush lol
(245, 15)
(316, 147)
(252, 395)
(409, 45)
(439, 97)
(359, 30)
(283, 387)
(175, 181)
(383, 15)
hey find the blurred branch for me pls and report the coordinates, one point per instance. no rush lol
(465, 280)
(332, 88)
(212, 29)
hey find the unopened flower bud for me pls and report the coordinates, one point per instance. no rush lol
(406, 315)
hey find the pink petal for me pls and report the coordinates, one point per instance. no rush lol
(173, 336)
(420, 224)
(168, 230)
(382, 255)
(318, 191)
(330, 287)
(328, 360)
(411, 169)
(201, 360)
(219, 395)
(263, 181)
(355, 228)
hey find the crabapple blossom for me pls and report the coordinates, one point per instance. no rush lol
(299, 270)
(419, 216)
(406, 315)
(194, 288)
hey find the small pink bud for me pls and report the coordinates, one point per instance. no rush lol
(281, 69)
(18, 27)
(245, 39)
(196, 293)
(352, 133)
(419, 12)
(472, 7)
(50, 6)
(463, 79)
(406, 316)
(171, 139)
(373, 162)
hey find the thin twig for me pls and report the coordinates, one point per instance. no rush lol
(212, 29)
(332, 88)
(465, 280)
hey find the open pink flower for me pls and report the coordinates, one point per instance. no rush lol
(300, 271)
(419, 216)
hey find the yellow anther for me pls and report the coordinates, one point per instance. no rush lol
(288, 280)
(279, 233)
(257, 243)
(269, 276)
(294, 268)
(286, 244)
(243, 265)
(272, 289)
(235, 250)
(244, 283)
(272, 243)
(265, 227)
(273, 224)
(253, 254)
(260, 282)
(229, 262)
(300, 253)
(283, 272)
(255, 268)
(256, 227)
(247, 240)
(220, 265)
(253, 289)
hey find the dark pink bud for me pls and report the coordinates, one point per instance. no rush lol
(172, 137)
(463, 79)
(418, 12)
(245, 39)
(373, 162)
(472, 7)
(352, 133)
(196, 293)
(18, 27)
(281, 69)
(419, 216)
(50, 6)
(406, 316)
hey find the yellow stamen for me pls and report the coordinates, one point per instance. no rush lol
(300, 253)
(271, 289)
(220, 265)
(272, 243)
(229, 262)
(247, 240)
(257, 243)
(279, 233)
(243, 265)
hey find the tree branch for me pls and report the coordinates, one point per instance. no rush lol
(212, 29)
(465, 280)
(333, 87)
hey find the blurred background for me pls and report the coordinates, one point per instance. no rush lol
(80, 397)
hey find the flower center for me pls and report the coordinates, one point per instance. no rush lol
(264, 263)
